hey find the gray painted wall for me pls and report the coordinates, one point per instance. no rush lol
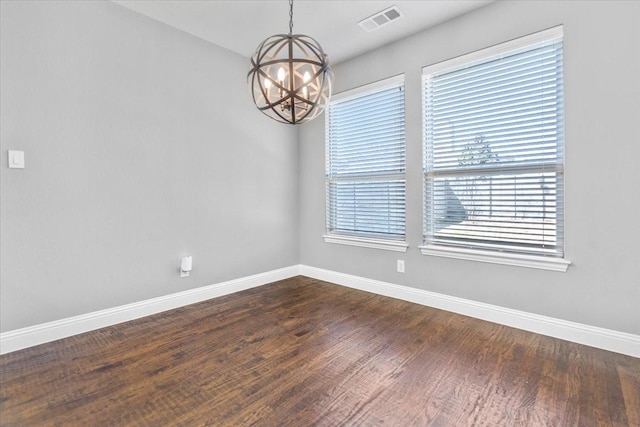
(133, 162)
(141, 146)
(602, 108)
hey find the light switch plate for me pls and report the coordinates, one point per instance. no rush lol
(16, 159)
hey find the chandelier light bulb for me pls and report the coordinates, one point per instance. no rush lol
(305, 79)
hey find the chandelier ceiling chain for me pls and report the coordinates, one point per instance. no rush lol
(290, 78)
(290, 16)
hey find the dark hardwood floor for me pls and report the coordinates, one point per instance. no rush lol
(302, 352)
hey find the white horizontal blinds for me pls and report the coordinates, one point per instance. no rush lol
(366, 163)
(494, 152)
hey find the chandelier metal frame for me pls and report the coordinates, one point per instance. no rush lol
(290, 78)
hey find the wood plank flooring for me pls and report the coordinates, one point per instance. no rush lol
(302, 352)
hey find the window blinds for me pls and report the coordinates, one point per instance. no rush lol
(366, 162)
(494, 151)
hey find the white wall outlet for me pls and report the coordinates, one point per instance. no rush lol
(186, 264)
(400, 266)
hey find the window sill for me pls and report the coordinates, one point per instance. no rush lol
(530, 261)
(364, 242)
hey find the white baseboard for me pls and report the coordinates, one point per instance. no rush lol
(607, 339)
(46, 332)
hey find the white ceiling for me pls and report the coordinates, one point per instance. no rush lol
(241, 25)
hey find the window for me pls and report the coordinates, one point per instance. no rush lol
(493, 165)
(365, 166)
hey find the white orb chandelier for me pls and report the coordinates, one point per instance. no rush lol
(290, 78)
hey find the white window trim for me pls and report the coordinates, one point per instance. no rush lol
(369, 87)
(361, 241)
(521, 42)
(505, 258)
(494, 257)
(364, 242)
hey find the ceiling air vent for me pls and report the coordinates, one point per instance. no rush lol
(381, 18)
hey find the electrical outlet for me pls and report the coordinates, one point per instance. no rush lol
(400, 266)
